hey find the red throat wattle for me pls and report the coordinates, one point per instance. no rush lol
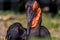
(36, 18)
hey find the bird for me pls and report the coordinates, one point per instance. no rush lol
(34, 20)
(16, 32)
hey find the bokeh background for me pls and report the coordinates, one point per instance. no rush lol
(12, 11)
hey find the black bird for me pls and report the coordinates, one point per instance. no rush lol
(34, 20)
(16, 32)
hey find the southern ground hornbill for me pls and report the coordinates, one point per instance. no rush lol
(16, 32)
(34, 19)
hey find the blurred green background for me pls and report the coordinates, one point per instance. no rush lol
(53, 24)
(15, 12)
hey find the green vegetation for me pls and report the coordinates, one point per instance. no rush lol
(53, 24)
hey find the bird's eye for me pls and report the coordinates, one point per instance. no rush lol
(35, 5)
